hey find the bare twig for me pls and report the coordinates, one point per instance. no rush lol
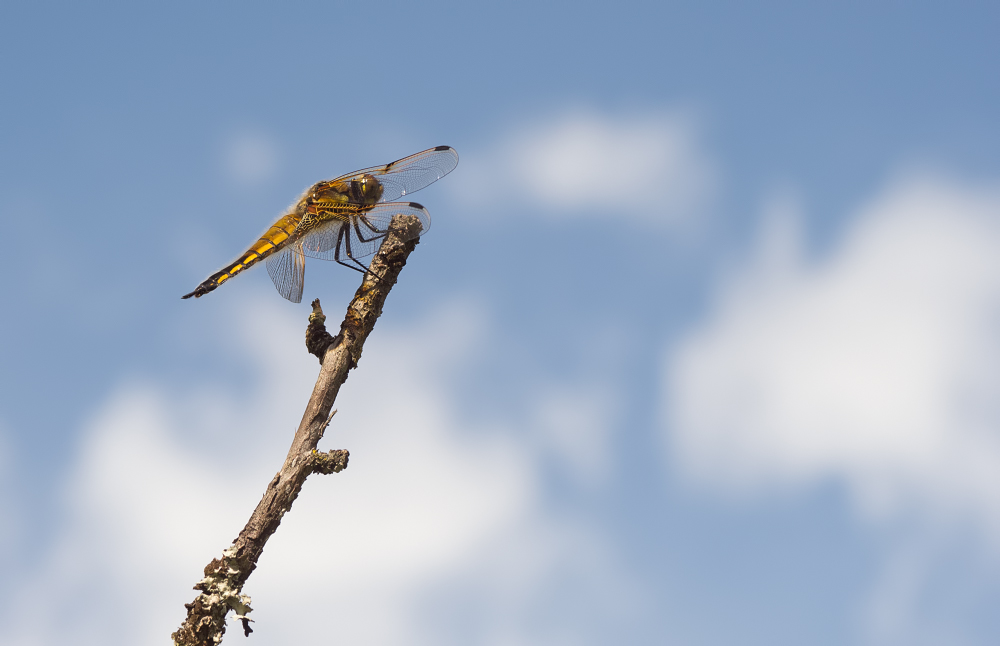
(221, 589)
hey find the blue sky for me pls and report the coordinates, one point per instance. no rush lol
(700, 349)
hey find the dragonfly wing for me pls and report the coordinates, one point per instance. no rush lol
(409, 174)
(363, 234)
(287, 269)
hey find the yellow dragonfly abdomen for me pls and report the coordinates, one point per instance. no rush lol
(273, 239)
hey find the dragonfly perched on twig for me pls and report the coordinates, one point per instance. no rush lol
(342, 219)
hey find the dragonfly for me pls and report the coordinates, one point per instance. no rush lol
(343, 219)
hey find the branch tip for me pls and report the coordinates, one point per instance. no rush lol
(317, 313)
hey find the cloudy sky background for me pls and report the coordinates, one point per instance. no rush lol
(703, 346)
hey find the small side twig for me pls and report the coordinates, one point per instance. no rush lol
(221, 589)
(317, 338)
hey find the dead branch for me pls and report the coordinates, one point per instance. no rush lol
(221, 589)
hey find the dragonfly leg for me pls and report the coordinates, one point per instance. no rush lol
(347, 245)
(375, 229)
(344, 240)
(345, 234)
(380, 233)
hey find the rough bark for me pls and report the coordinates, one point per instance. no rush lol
(221, 589)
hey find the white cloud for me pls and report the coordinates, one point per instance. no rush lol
(652, 167)
(165, 480)
(877, 366)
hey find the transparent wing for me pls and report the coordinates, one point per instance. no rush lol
(287, 269)
(409, 174)
(362, 235)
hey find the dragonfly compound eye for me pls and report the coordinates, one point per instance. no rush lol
(368, 189)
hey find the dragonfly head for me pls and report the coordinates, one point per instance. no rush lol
(366, 189)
